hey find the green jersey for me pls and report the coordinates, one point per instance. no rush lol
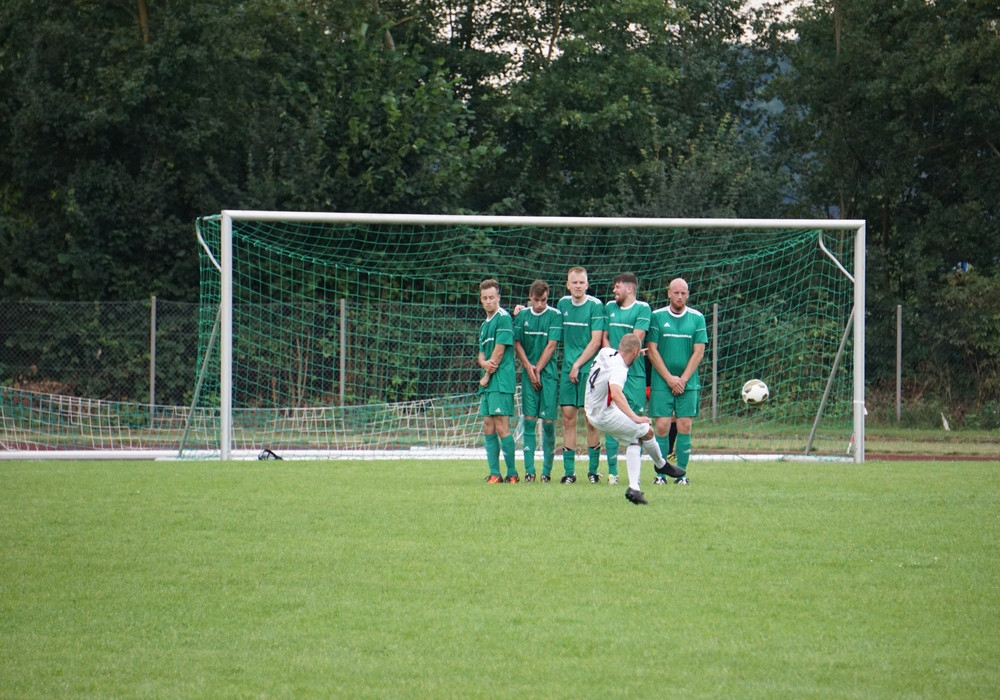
(675, 337)
(636, 317)
(578, 323)
(498, 329)
(534, 331)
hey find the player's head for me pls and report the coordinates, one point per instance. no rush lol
(489, 295)
(678, 293)
(538, 293)
(576, 282)
(629, 347)
(626, 286)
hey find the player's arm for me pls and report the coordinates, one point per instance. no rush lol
(547, 352)
(592, 347)
(488, 364)
(697, 353)
(497, 355)
(492, 363)
(588, 352)
(522, 357)
(653, 353)
(485, 379)
(504, 337)
(605, 341)
(543, 360)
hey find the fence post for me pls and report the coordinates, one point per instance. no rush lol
(152, 357)
(899, 360)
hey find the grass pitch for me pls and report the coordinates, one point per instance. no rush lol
(394, 579)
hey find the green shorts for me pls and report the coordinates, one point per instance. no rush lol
(494, 403)
(663, 403)
(543, 403)
(571, 394)
(636, 397)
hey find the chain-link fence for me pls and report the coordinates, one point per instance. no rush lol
(935, 365)
(107, 350)
(135, 351)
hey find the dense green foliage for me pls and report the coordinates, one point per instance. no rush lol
(121, 122)
(892, 115)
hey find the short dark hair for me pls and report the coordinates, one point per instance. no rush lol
(628, 278)
(538, 288)
(490, 283)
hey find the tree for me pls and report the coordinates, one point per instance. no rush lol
(119, 127)
(597, 100)
(891, 115)
(972, 303)
(897, 123)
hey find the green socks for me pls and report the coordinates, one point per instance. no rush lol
(493, 453)
(594, 457)
(548, 445)
(530, 444)
(664, 443)
(568, 458)
(507, 447)
(611, 447)
(683, 449)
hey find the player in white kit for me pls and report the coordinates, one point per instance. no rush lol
(608, 411)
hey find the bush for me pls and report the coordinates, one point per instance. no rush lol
(986, 418)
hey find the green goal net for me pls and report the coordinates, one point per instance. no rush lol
(329, 335)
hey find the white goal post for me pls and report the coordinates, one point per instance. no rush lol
(226, 270)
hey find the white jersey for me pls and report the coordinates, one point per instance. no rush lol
(609, 368)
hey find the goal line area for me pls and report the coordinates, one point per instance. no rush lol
(347, 336)
(49, 426)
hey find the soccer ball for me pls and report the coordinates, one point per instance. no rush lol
(755, 392)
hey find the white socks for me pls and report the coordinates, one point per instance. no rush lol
(633, 461)
(653, 450)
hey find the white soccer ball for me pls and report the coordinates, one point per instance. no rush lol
(755, 392)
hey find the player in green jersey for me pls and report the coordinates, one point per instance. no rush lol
(675, 345)
(583, 329)
(626, 314)
(496, 388)
(537, 332)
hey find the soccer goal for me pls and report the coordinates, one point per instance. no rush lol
(338, 334)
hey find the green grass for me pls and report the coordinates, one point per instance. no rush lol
(394, 579)
(930, 442)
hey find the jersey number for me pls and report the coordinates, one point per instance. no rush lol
(593, 380)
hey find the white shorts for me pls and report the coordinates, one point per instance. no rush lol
(618, 425)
